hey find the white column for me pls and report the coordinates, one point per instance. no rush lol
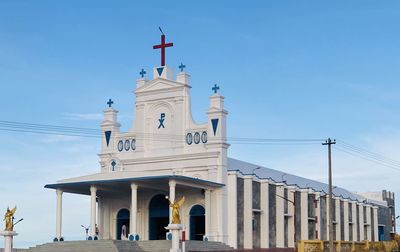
(264, 218)
(280, 218)
(346, 219)
(133, 217)
(304, 214)
(291, 212)
(106, 220)
(361, 218)
(207, 201)
(354, 213)
(368, 210)
(8, 240)
(375, 214)
(248, 212)
(59, 214)
(100, 217)
(93, 191)
(172, 185)
(232, 213)
(317, 202)
(337, 213)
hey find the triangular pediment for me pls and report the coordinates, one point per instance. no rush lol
(159, 84)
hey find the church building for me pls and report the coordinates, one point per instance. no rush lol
(166, 155)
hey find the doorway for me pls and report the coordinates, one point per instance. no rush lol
(197, 222)
(123, 218)
(158, 217)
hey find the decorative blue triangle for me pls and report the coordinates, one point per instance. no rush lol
(214, 123)
(108, 136)
(160, 70)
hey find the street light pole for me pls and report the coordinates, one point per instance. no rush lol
(329, 142)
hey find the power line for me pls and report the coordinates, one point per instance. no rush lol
(368, 153)
(397, 168)
(88, 132)
(343, 146)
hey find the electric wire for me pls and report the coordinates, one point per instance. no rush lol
(397, 168)
(368, 153)
(88, 132)
(341, 145)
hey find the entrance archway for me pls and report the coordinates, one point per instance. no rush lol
(158, 217)
(197, 222)
(123, 218)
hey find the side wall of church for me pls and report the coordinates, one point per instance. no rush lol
(307, 218)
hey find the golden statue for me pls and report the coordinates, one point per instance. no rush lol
(176, 219)
(9, 218)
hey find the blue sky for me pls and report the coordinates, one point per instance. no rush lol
(288, 69)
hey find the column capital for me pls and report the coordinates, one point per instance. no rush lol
(134, 186)
(59, 192)
(172, 183)
(93, 189)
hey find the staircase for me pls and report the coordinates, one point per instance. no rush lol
(125, 246)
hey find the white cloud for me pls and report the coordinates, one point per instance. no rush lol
(60, 138)
(84, 117)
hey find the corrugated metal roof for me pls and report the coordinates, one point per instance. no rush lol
(289, 179)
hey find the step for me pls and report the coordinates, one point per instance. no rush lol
(125, 246)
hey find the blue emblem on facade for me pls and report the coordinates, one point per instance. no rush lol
(214, 123)
(108, 136)
(160, 70)
(169, 236)
(161, 120)
(113, 164)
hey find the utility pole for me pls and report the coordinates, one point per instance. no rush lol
(329, 142)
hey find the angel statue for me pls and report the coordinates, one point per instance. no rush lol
(176, 219)
(9, 218)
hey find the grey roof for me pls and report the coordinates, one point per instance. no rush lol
(289, 179)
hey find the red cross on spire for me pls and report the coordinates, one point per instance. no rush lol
(162, 46)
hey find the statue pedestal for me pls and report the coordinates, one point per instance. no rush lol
(8, 240)
(175, 230)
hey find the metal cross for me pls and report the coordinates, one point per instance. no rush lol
(110, 102)
(182, 66)
(215, 88)
(162, 46)
(142, 73)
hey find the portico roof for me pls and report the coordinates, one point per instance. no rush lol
(122, 185)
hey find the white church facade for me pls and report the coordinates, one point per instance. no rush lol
(166, 155)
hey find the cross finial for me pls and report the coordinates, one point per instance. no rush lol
(110, 102)
(142, 73)
(182, 66)
(215, 88)
(162, 46)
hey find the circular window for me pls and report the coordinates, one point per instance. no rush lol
(196, 137)
(133, 144)
(127, 145)
(204, 137)
(120, 145)
(189, 138)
